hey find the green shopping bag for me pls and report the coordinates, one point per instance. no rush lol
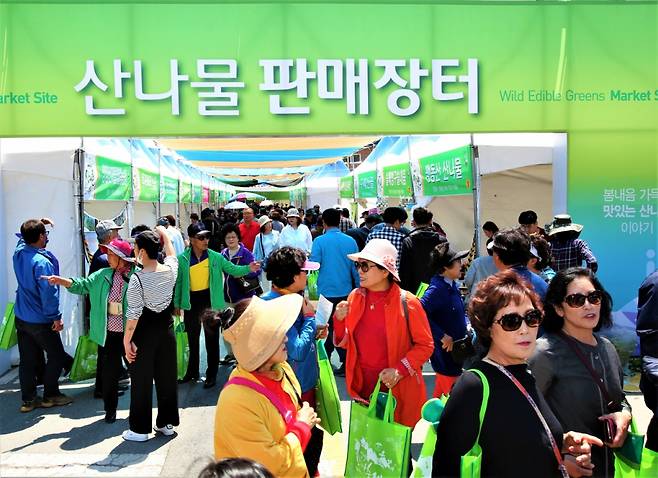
(182, 347)
(84, 362)
(8, 335)
(629, 456)
(649, 466)
(421, 289)
(377, 446)
(431, 413)
(312, 285)
(326, 395)
(471, 464)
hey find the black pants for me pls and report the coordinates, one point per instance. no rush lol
(314, 450)
(650, 391)
(111, 354)
(33, 341)
(98, 385)
(200, 302)
(329, 344)
(156, 361)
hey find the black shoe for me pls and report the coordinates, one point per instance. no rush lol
(188, 379)
(209, 383)
(110, 417)
(228, 360)
(124, 376)
(123, 388)
(340, 372)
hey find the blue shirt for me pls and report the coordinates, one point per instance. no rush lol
(337, 276)
(480, 269)
(302, 353)
(537, 283)
(36, 300)
(445, 312)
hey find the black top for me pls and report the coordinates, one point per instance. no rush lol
(513, 440)
(98, 261)
(415, 257)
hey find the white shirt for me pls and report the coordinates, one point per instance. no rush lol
(300, 238)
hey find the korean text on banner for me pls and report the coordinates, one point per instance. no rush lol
(169, 190)
(107, 179)
(347, 187)
(449, 173)
(397, 181)
(368, 184)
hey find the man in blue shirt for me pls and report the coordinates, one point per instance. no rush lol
(38, 320)
(337, 276)
(511, 250)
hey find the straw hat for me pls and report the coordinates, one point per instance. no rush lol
(563, 223)
(292, 212)
(263, 220)
(382, 253)
(260, 330)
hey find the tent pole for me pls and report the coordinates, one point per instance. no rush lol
(476, 196)
(78, 175)
(413, 192)
(129, 203)
(159, 183)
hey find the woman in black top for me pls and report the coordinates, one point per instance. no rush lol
(577, 306)
(514, 439)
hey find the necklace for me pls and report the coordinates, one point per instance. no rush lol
(373, 304)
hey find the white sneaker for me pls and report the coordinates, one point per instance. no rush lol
(166, 430)
(130, 435)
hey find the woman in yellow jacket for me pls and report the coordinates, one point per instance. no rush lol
(260, 414)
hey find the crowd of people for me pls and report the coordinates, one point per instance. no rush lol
(400, 298)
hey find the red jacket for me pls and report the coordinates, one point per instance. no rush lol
(412, 352)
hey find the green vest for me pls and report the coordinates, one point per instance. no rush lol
(217, 265)
(98, 286)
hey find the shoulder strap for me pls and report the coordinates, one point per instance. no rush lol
(612, 405)
(485, 398)
(257, 387)
(405, 308)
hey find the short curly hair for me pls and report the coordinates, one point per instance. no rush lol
(284, 264)
(494, 293)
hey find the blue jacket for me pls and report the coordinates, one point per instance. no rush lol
(445, 312)
(36, 300)
(537, 283)
(302, 353)
(338, 276)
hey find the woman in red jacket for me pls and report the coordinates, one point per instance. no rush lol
(382, 341)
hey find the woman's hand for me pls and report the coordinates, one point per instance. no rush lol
(307, 415)
(390, 377)
(342, 309)
(131, 350)
(622, 421)
(57, 280)
(578, 466)
(446, 343)
(307, 308)
(321, 332)
(254, 266)
(576, 443)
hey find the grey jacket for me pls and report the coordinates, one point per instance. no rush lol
(572, 393)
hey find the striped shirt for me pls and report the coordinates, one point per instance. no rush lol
(156, 290)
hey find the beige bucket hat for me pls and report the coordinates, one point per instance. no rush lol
(382, 253)
(260, 330)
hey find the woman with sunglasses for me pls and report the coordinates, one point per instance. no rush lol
(385, 332)
(572, 354)
(519, 435)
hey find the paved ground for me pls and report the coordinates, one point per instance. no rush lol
(75, 441)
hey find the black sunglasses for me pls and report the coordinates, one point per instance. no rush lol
(364, 266)
(578, 300)
(512, 322)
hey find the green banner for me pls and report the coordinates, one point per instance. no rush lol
(347, 187)
(397, 181)
(185, 193)
(367, 184)
(196, 193)
(148, 186)
(449, 173)
(107, 179)
(169, 192)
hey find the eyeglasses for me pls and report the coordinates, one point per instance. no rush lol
(365, 266)
(202, 238)
(512, 322)
(578, 300)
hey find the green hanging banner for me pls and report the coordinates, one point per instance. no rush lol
(107, 179)
(397, 181)
(449, 173)
(185, 192)
(196, 193)
(347, 187)
(169, 190)
(148, 186)
(368, 184)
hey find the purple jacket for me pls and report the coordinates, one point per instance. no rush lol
(232, 290)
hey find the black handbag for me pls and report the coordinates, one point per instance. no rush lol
(463, 348)
(247, 286)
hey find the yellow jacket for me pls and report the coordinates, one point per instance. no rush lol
(248, 425)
